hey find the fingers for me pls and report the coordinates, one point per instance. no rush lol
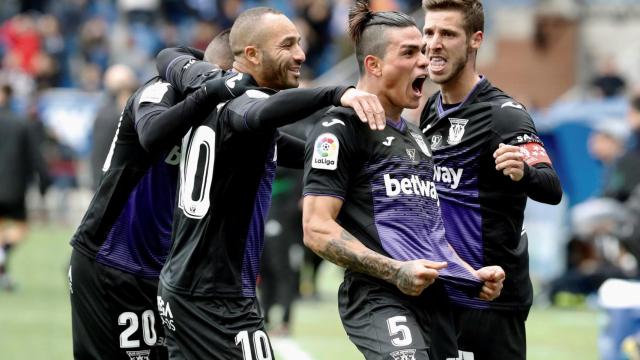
(503, 149)
(508, 155)
(380, 117)
(360, 112)
(367, 106)
(510, 164)
(437, 265)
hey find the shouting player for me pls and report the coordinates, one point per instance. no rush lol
(488, 160)
(370, 206)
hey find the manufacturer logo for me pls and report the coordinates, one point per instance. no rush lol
(512, 104)
(139, 355)
(333, 122)
(407, 354)
(231, 82)
(447, 175)
(388, 141)
(420, 140)
(325, 154)
(409, 186)
(456, 131)
(436, 142)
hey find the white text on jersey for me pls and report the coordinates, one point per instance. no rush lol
(447, 175)
(409, 186)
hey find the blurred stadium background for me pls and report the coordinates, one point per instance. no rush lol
(575, 64)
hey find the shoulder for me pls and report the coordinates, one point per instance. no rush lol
(155, 91)
(508, 113)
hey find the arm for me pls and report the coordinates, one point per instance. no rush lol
(184, 69)
(290, 151)
(160, 121)
(289, 106)
(328, 239)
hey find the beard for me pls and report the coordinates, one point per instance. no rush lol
(276, 74)
(456, 68)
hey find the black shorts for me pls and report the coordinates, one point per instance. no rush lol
(113, 313)
(385, 324)
(491, 334)
(213, 328)
(15, 211)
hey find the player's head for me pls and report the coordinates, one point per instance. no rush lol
(266, 44)
(453, 32)
(389, 52)
(219, 51)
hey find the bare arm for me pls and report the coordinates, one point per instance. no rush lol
(328, 239)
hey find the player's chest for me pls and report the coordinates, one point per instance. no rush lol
(458, 133)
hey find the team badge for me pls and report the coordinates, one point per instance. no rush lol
(325, 152)
(436, 142)
(412, 154)
(408, 354)
(421, 143)
(456, 131)
(139, 355)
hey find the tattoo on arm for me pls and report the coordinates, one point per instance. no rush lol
(365, 261)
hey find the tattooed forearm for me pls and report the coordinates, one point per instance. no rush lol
(342, 252)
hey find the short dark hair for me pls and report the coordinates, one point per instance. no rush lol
(219, 51)
(246, 26)
(472, 12)
(367, 29)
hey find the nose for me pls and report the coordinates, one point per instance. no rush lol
(298, 54)
(422, 60)
(435, 42)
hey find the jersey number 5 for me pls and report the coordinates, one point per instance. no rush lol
(196, 171)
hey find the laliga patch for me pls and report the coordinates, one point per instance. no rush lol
(154, 93)
(325, 152)
(534, 153)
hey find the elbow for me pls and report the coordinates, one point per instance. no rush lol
(311, 238)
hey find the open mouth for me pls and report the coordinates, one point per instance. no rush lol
(437, 63)
(417, 84)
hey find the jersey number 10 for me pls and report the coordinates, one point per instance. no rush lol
(196, 172)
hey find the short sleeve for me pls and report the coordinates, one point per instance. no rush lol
(515, 127)
(330, 157)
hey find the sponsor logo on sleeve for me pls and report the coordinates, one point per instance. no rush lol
(325, 152)
(456, 130)
(512, 104)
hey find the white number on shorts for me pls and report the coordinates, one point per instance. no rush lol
(395, 328)
(148, 329)
(260, 344)
(200, 150)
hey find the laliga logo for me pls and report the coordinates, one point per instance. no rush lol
(326, 146)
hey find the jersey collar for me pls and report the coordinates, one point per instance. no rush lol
(401, 125)
(470, 96)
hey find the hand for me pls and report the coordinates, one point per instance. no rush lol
(416, 275)
(229, 86)
(492, 278)
(509, 160)
(367, 106)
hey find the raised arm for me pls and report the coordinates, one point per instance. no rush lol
(328, 239)
(184, 69)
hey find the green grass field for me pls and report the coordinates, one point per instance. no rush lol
(35, 320)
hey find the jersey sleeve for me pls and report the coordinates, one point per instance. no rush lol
(515, 127)
(184, 69)
(256, 110)
(290, 151)
(331, 153)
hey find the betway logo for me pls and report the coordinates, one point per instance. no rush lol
(447, 175)
(409, 186)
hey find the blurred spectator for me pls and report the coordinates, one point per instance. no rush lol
(607, 143)
(625, 173)
(283, 251)
(20, 158)
(119, 83)
(608, 82)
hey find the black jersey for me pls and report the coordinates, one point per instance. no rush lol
(385, 180)
(483, 209)
(128, 223)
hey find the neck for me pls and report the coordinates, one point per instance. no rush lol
(243, 66)
(455, 90)
(372, 86)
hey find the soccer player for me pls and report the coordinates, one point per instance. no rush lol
(124, 237)
(207, 296)
(371, 207)
(488, 160)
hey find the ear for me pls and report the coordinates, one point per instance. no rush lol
(253, 54)
(476, 40)
(373, 65)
